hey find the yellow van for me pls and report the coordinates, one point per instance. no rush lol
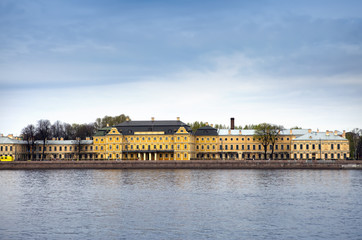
(6, 158)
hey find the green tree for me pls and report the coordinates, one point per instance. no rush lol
(262, 135)
(110, 121)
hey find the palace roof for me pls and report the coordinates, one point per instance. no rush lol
(168, 127)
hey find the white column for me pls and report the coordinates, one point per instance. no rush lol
(156, 157)
(144, 156)
(149, 156)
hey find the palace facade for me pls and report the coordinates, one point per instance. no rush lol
(175, 140)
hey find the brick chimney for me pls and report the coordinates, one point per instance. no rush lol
(309, 130)
(178, 118)
(232, 123)
(152, 119)
(327, 133)
(344, 134)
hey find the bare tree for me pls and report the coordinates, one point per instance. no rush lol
(43, 132)
(28, 133)
(57, 129)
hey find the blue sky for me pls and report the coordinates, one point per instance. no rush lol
(283, 62)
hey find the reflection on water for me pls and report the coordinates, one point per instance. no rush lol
(180, 204)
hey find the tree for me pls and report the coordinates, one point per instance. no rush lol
(28, 133)
(43, 132)
(262, 135)
(110, 121)
(274, 133)
(57, 130)
(355, 142)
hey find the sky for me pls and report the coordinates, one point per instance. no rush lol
(285, 62)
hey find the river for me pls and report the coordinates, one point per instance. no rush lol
(181, 204)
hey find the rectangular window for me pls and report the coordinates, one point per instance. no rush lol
(332, 146)
(65, 148)
(282, 147)
(307, 146)
(185, 146)
(301, 146)
(259, 147)
(237, 147)
(226, 147)
(220, 147)
(338, 147)
(313, 146)
(60, 148)
(231, 147)
(295, 146)
(248, 147)
(242, 147)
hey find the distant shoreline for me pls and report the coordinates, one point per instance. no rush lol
(190, 164)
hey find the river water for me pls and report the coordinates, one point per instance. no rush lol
(181, 204)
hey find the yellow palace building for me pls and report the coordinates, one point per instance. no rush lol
(175, 140)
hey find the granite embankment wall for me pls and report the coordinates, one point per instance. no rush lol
(193, 164)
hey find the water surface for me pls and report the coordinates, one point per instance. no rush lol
(181, 204)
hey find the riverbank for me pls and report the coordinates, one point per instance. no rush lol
(193, 164)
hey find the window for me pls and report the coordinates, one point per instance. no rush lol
(11, 148)
(231, 139)
(154, 146)
(253, 147)
(307, 147)
(178, 138)
(60, 148)
(185, 146)
(110, 147)
(282, 147)
(117, 146)
(332, 147)
(110, 139)
(185, 155)
(338, 147)
(226, 147)
(197, 147)
(248, 147)
(295, 146)
(242, 147)
(237, 147)
(313, 146)
(213, 147)
(202, 147)
(96, 147)
(178, 146)
(301, 146)
(65, 148)
(220, 147)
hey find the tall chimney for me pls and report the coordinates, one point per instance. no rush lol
(232, 123)
(153, 119)
(178, 118)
